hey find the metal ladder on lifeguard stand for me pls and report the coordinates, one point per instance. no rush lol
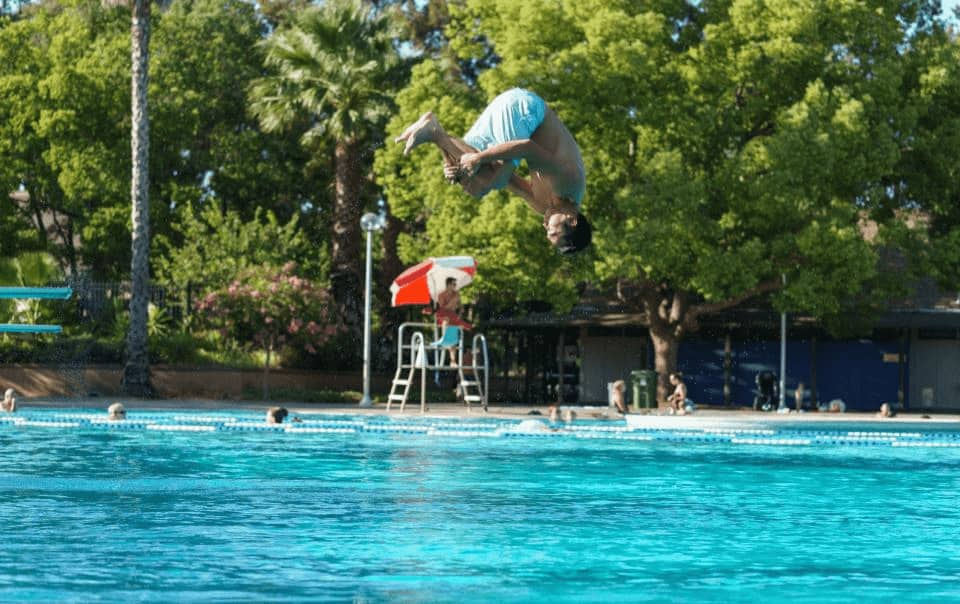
(474, 387)
(417, 359)
(415, 354)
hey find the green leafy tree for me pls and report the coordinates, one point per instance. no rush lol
(64, 130)
(270, 308)
(331, 72)
(205, 54)
(727, 144)
(65, 135)
(926, 184)
(208, 248)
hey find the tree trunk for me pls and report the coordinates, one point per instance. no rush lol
(345, 257)
(136, 370)
(666, 345)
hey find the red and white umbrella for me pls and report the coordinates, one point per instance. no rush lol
(423, 282)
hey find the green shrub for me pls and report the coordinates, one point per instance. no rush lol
(179, 347)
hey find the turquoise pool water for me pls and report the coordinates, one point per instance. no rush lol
(371, 509)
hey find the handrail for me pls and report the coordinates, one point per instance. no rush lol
(404, 327)
(418, 349)
(486, 366)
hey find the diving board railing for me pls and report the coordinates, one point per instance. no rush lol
(33, 293)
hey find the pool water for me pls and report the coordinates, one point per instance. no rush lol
(373, 508)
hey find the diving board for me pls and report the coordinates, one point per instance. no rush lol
(35, 293)
(29, 328)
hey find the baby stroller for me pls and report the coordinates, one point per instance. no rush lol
(765, 397)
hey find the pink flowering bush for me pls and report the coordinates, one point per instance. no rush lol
(270, 308)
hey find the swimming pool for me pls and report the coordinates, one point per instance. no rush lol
(186, 506)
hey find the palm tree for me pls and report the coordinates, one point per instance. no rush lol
(331, 70)
(136, 369)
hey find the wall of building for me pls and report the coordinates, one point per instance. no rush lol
(863, 373)
(605, 359)
(934, 371)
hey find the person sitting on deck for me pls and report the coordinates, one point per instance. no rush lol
(678, 398)
(886, 411)
(617, 398)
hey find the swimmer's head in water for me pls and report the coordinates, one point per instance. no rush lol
(569, 233)
(276, 415)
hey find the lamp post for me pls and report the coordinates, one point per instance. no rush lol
(370, 222)
(783, 351)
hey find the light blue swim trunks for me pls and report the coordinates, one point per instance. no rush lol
(513, 115)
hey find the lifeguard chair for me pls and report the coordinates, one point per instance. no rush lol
(421, 348)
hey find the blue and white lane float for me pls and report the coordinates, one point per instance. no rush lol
(488, 428)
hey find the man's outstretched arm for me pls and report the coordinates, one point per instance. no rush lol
(527, 149)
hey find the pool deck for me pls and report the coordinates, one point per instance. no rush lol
(703, 417)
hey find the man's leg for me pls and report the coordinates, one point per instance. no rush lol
(428, 130)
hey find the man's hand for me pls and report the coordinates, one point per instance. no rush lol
(452, 172)
(470, 163)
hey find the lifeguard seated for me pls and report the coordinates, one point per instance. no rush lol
(449, 306)
(448, 312)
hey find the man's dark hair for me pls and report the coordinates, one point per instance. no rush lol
(451, 280)
(574, 239)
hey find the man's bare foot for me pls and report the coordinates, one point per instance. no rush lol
(421, 131)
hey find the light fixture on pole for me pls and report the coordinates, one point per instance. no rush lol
(370, 222)
(783, 351)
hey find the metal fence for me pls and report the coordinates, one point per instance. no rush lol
(97, 298)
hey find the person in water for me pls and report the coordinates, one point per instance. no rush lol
(276, 415)
(116, 412)
(9, 403)
(517, 125)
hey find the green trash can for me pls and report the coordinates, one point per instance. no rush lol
(644, 389)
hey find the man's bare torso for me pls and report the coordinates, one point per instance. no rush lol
(554, 137)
